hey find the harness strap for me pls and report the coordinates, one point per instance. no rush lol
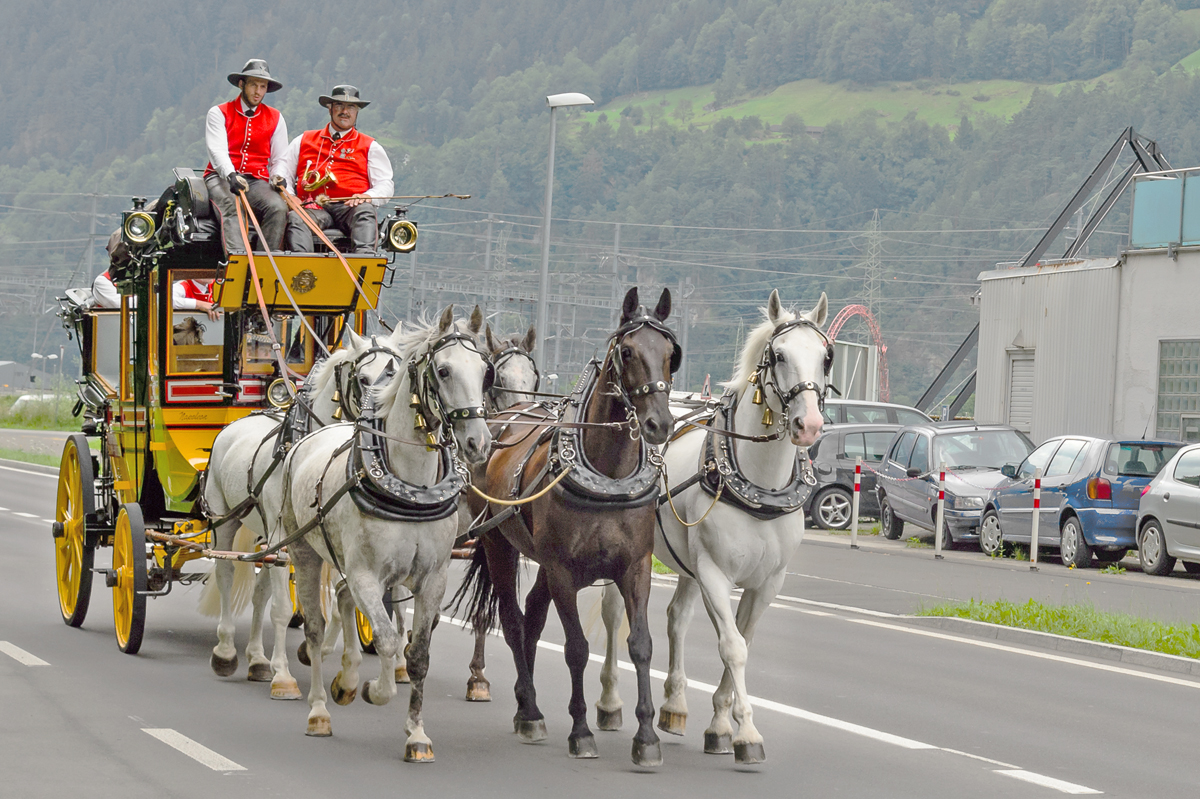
(294, 204)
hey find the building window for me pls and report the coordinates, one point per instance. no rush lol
(1179, 390)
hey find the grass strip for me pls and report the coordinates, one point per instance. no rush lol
(38, 415)
(1080, 621)
(659, 567)
(29, 457)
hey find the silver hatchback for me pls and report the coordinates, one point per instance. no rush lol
(1169, 516)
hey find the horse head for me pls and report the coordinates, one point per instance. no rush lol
(460, 374)
(357, 365)
(516, 370)
(189, 331)
(795, 366)
(644, 356)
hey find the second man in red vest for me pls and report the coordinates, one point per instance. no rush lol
(339, 174)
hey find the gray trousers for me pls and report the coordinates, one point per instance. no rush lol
(268, 206)
(358, 223)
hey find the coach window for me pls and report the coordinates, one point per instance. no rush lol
(197, 341)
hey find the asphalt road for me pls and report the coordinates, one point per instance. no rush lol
(852, 703)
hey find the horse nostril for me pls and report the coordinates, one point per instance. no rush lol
(651, 425)
(472, 444)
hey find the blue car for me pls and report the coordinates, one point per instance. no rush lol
(1090, 493)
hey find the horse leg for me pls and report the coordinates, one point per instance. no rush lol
(401, 659)
(715, 588)
(502, 563)
(224, 658)
(748, 743)
(580, 743)
(368, 596)
(537, 606)
(672, 717)
(478, 687)
(283, 684)
(334, 619)
(608, 708)
(635, 588)
(345, 685)
(308, 590)
(427, 599)
(260, 667)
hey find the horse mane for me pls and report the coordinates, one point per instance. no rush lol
(747, 360)
(322, 371)
(410, 339)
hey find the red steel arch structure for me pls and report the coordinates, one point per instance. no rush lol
(848, 313)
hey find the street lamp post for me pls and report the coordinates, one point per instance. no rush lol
(555, 101)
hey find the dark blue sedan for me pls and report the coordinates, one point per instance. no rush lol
(1090, 493)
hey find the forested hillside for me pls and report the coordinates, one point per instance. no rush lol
(110, 96)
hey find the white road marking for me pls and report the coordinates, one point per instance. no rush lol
(1047, 782)
(20, 655)
(198, 752)
(864, 585)
(834, 606)
(802, 610)
(26, 471)
(1030, 653)
(973, 756)
(25, 515)
(49, 521)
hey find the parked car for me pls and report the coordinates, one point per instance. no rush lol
(973, 454)
(862, 412)
(833, 455)
(1168, 522)
(1090, 493)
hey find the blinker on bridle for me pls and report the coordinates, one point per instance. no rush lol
(511, 352)
(423, 401)
(350, 406)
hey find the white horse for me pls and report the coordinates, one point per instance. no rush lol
(786, 357)
(241, 455)
(439, 388)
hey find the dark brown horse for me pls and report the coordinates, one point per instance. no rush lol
(596, 524)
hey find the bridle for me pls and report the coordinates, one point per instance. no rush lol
(614, 346)
(769, 359)
(503, 356)
(349, 401)
(424, 383)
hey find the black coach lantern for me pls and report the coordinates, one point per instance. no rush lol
(137, 226)
(399, 234)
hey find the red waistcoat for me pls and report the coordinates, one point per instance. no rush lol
(249, 137)
(345, 160)
(195, 292)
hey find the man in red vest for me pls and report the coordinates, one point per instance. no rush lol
(339, 174)
(245, 139)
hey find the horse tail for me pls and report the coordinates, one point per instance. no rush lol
(243, 580)
(477, 593)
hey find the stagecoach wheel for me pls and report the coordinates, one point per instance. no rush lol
(366, 636)
(73, 555)
(297, 615)
(129, 578)
(831, 509)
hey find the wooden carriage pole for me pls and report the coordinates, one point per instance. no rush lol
(1037, 513)
(941, 512)
(854, 503)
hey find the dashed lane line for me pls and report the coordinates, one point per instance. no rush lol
(839, 724)
(20, 655)
(196, 751)
(24, 515)
(27, 471)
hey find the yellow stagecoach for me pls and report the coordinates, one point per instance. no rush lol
(158, 383)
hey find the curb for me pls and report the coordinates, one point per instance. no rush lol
(1061, 643)
(29, 467)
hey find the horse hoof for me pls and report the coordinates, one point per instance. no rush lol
(749, 754)
(259, 672)
(343, 696)
(418, 753)
(223, 667)
(319, 727)
(530, 732)
(717, 744)
(402, 675)
(608, 720)
(285, 689)
(673, 723)
(366, 692)
(478, 690)
(302, 654)
(583, 747)
(647, 755)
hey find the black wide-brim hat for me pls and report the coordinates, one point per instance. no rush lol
(344, 93)
(256, 68)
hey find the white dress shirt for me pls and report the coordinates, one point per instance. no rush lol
(105, 293)
(379, 169)
(216, 139)
(180, 301)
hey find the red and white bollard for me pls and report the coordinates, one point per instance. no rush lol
(854, 503)
(941, 513)
(1037, 517)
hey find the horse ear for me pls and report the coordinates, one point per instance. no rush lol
(630, 305)
(663, 309)
(774, 307)
(820, 312)
(476, 323)
(491, 341)
(353, 341)
(530, 339)
(447, 319)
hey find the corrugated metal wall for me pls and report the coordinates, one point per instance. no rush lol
(1067, 317)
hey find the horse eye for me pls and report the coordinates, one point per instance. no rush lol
(443, 372)
(780, 357)
(626, 353)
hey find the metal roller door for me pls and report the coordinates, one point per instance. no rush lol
(1020, 393)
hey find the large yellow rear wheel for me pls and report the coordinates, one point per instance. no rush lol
(366, 635)
(73, 555)
(129, 583)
